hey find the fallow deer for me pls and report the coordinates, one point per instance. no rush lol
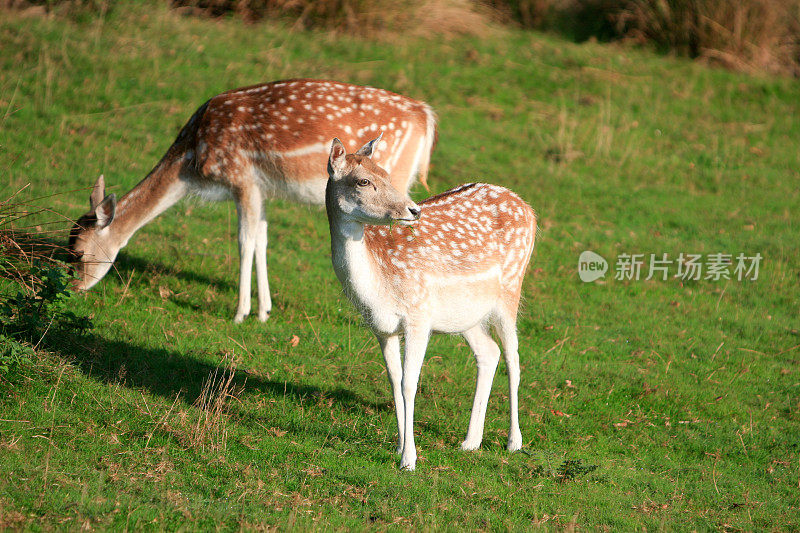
(452, 264)
(250, 144)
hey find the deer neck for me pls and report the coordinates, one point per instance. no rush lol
(161, 189)
(352, 260)
(356, 268)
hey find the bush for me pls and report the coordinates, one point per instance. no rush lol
(34, 287)
(42, 307)
(36, 313)
(13, 354)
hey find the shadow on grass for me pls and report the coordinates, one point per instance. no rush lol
(127, 264)
(174, 375)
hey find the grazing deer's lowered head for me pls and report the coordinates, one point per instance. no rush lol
(92, 251)
(458, 269)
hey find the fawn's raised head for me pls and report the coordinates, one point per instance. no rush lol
(359, 190)
(91, 253)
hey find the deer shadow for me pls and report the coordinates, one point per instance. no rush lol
(170, 374)
(127, 263)
(181, 377)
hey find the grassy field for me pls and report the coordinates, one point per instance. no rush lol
(644, 404)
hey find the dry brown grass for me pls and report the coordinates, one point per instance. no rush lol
(26, 239)
(204, 428)
(451, 17)
(210, 430)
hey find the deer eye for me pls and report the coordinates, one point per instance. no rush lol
(363, 182)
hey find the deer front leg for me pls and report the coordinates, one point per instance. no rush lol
(416, 343)
(249, 205)
(390, 346)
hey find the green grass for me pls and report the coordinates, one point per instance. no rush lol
(683, 395)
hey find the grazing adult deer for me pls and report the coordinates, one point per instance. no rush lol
(458, 268)
(250, 144)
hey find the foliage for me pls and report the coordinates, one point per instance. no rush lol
(13, 354)
(35, 290)
(572, 469)
(42, 309)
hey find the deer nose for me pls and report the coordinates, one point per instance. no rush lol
(415, 211)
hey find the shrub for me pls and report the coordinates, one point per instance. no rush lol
(41, 308)
(13, 354)
(34, 287)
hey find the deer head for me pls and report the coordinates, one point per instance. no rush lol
(359, 190)
(91, 247)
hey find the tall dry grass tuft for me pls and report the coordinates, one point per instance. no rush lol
(210, 431)
(450, 18)
(27, 240)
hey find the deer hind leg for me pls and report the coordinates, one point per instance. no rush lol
(390, 346)
(487, 354)
(506, 328)
(249, 205)
(264, 300)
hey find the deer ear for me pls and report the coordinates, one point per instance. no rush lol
(368, 148)
(337, 159)
(98, 193)
(106, 210)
